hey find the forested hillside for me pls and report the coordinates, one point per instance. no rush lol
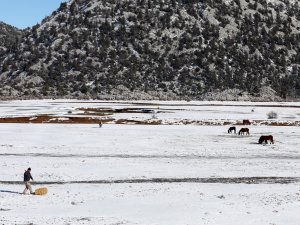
(9, 38)
(167, 49)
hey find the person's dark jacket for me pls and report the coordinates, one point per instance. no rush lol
(27, 176)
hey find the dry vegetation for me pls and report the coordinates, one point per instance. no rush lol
(87, 119)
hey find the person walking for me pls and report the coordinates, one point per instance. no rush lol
(27, 177)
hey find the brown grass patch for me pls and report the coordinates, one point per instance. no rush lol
(88, 119)
(54, 119)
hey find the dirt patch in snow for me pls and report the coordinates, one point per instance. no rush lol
(88, 119)
(54, 119)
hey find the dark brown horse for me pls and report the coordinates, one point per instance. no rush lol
(266, 138)
(246, 122)
(232, 129)
(243, 131)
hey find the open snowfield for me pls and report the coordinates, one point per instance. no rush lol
(151, 174)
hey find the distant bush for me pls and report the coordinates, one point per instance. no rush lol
(272, 115)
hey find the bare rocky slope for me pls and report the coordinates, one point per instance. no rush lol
(158, 49)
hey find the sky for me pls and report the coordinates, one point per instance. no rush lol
(26, 13)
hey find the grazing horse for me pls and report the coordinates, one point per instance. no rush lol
(246, 122)
(243, 131)
(266, 138)
(231, 129)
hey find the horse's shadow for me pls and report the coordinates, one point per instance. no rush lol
(11, 192)
(262, 144)
(254, 143)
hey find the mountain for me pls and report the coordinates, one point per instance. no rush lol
(166, 49)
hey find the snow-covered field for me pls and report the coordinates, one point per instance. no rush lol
(151, 174)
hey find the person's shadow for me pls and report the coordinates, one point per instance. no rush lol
(12, 192)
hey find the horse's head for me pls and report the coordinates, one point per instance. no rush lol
(261, 139)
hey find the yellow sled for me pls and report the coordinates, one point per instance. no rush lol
(41, 191)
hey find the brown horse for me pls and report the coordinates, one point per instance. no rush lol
(266, 138)
(246, 122)
(232, 129)
(243, 131)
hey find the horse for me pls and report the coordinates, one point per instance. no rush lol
(100, 124)
(231, 129)
(246, 122)
(266, 138)
(244, 130)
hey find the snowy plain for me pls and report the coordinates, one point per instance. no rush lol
(151, 174)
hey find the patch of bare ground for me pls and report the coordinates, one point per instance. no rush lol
(54, 119)
(90, 119)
